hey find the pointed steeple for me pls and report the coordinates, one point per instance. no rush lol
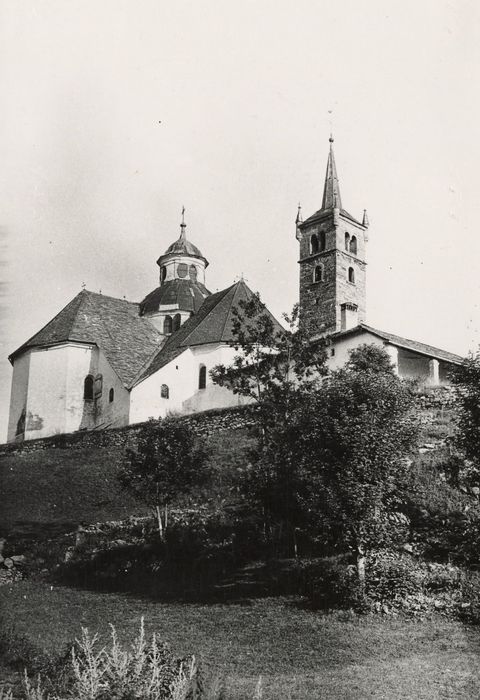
(331, 191)
(365, 221)
(299, 218)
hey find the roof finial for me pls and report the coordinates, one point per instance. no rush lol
(331, 139)
(299, 218)
(365, 221)
(183, 225)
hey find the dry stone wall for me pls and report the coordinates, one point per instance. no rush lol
(205, 424)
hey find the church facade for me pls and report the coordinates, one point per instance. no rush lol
(106, 362)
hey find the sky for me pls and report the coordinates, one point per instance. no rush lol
(115, 114)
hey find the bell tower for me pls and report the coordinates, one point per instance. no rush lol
(332, 262)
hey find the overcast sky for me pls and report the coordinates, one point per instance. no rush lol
(117, 113)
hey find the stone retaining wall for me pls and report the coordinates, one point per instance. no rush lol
(206, 423)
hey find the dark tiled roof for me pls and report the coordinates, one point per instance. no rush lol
(187, 294)
(324, 213)
(114, 325)
(414, 345)
(212, 324)
(184, 247)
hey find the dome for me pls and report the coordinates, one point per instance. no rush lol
(186, 295)
(183, 247)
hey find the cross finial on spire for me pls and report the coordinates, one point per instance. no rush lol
(84, 286)
(183, 225)
(331, 139)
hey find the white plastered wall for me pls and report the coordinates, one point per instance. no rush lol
(181, 376)
(48, 384)
(343, 346)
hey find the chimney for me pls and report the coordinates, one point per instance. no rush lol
(349, 316)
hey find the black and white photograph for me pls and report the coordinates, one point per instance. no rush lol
(239, 350)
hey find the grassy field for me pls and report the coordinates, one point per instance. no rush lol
(298, 653)
(58, 488)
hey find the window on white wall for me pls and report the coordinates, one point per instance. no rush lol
(164, 392)
(88, 388)
(111, 395)
(202, 377)
(177, 322)
(167, 325)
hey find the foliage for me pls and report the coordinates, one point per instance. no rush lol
(147, 671)
(466, 380)
(272, 365)
(167, 462)
(370, 358)
(336, 467)
(360, 429)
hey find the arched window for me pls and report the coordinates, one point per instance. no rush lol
(313, 244)
(177, 322)
(353, 245)
(347, 241)
(163, 273)
(111, 395)
(182, 270)
(323, 241)
(351, 275)
(202, 377)
(318, 274)
(88, 388)
(193, 273)
(167, 325)
(164, 392)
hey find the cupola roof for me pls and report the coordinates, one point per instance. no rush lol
(182, 246)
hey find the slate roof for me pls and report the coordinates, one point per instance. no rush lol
(187, 294)
(127, 339)
(211, 324)
(184, 247)
(413, 345)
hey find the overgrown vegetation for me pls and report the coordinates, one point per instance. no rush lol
(146, 669)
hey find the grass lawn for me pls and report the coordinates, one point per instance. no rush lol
(299, 654)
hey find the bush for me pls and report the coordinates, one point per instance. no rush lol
(147, 670)
(390, 577)
(333, 583)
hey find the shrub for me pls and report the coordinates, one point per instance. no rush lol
(333, 583)
(147, 670)
(389, 577)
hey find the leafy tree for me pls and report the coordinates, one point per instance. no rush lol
(466, 380)
(353, 446)
(273, 365)
(370, 358)
(279, 369)
(166, 463)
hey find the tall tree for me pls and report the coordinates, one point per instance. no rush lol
(167, 462)
(359, 430)
(466, 380)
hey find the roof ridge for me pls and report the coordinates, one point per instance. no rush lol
(109, 296)
(78, 297)
(220, 295)
(389, 336)
(227, 316)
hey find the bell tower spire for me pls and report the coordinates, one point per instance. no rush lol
(332, 263)
(331, 190)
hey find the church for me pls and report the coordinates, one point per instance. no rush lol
(104, 362)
